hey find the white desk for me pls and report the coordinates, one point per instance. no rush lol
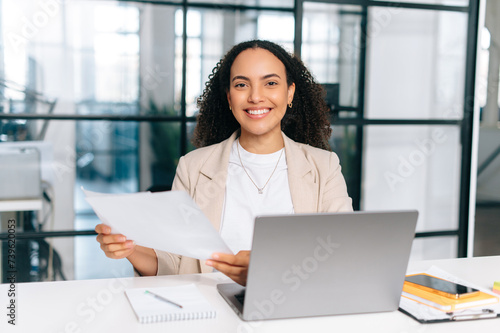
(101, 306)
(20, 205)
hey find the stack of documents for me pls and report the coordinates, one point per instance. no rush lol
(444, 303)
(438, 309)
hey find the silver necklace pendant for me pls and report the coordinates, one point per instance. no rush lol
(261, 190)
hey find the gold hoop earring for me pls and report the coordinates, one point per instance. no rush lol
(290, 105)
(230, 108)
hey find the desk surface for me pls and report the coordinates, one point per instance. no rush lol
(101, 306)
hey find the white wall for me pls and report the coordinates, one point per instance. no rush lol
(488, 182)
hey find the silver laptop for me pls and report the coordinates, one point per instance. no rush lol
(324, 264)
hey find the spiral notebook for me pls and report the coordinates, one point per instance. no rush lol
(169, 303)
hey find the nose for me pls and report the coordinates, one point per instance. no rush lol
(256, 95)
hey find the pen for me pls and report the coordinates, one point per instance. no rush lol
(487, 313)
(162, 298)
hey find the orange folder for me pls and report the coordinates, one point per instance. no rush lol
(443, 303)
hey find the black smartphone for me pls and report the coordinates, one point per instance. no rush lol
(442, 287)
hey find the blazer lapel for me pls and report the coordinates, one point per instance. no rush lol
(303, 183)
(211, 187)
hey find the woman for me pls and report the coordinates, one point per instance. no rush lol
(264, 129)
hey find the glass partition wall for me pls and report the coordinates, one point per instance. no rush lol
(109, 89)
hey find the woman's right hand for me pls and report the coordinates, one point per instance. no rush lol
(115, 246)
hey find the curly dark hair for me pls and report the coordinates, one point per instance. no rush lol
(306, 122)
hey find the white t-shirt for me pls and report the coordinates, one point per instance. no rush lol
(243, 201)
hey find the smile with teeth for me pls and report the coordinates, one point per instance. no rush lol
(261, 111)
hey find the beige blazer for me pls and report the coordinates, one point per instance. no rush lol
(316, 185)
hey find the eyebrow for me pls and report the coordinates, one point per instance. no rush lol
(241, 77)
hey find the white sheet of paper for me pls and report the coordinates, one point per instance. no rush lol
(169, 221)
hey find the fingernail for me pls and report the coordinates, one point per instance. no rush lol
(208, 263)
(215, 256)
(122, 239)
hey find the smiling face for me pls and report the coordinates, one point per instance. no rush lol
(258, 93)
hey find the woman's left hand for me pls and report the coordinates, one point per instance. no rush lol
(234, 266)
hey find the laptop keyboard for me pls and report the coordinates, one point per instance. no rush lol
(240, 297)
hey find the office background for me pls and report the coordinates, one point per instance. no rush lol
(108, 90)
